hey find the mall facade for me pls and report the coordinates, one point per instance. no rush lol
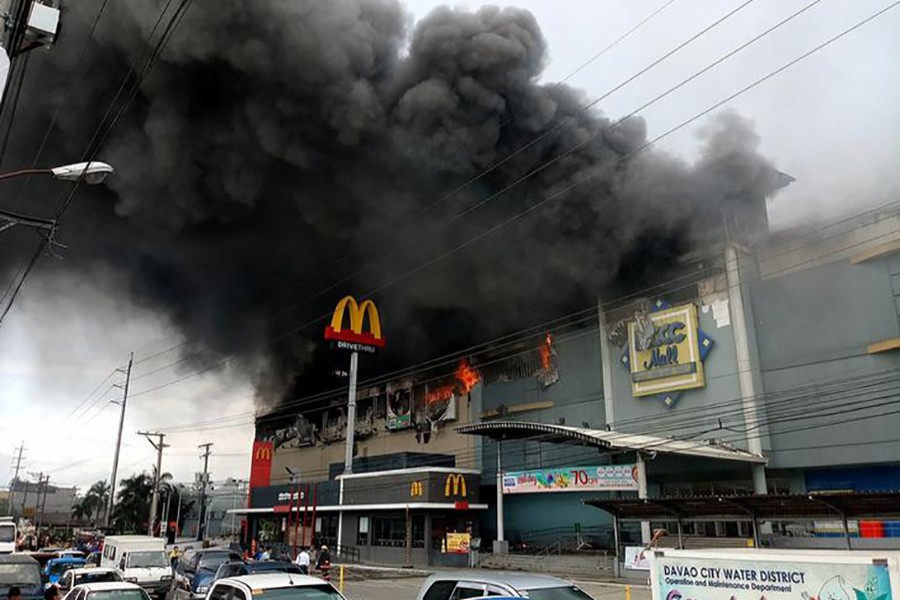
(771, 367)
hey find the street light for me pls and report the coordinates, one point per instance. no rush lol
(90, 172)
(93, 172)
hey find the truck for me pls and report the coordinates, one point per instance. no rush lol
(7, 535)
(140, 559)
(774, 574)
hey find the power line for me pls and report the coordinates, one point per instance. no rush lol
(93, 147)
(589, 314)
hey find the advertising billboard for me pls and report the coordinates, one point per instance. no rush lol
(458, 543)
(773, 578)
(572, 479)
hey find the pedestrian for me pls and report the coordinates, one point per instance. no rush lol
(14, 593)
(52, 593)
(267, 554)
(174, 556)
(324, 560)
(303, 560)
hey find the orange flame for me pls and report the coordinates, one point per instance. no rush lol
(440, 394)
(467, 376)
(546, 351)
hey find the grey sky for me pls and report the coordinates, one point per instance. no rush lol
(831, 122)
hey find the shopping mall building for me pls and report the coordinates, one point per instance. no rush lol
(765, 368)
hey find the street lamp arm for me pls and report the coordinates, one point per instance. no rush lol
(25, 172)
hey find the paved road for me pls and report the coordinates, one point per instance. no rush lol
(406, 589)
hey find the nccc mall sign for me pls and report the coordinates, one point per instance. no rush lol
(665, 353)
(353, 338)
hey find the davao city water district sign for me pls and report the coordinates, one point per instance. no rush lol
(665, 353)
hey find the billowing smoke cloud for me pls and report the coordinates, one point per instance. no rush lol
(275, 136)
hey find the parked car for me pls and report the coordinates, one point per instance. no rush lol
(56, 567)
(108, 591)
(459, 585)
(196, 571)
(273, 586)
(23, 572)
(236, 569)
(74, 577)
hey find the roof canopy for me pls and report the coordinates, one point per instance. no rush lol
(781, 507)
(601, 438)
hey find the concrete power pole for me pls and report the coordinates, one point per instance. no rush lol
(15, 480)
(158, 446)
(205, 452)
(112, 481)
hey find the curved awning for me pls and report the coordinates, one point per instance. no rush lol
(607, 440)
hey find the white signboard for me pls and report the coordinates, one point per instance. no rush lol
(572, 479)
(691, 578)
(637, 558)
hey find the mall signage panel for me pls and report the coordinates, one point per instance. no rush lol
(665, 353)
(572, 479)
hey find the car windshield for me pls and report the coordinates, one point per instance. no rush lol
(97, 577)
(153, 558)
(306, 592)
(211, 562)
(130, 594)
(7, 533)
(21, 575)
(565, 592)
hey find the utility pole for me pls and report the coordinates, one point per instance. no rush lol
(158, 446)
(205, 452)
(15, 480)
(112, 481)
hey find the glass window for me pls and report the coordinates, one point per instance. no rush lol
(569, 592)
(306, 592)
(239, 594)
(462, 592)
(439, 590)
(391, 531)
(7, 534)
(220, 592)
(20, 575)
(362, 538)
(147, 559)
(118, 595)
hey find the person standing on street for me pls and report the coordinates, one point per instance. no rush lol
(174, 555)
(302, 560)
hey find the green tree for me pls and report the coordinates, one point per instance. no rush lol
(96, 499)
(133, 503)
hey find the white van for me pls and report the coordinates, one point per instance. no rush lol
(7, 535)
(140, 559)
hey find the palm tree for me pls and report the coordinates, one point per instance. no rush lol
(81, 511)
(96, 499)
(133, 503)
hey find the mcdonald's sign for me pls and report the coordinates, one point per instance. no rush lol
(416, 489)
(261, 464)
(456, 484)
(353, 337)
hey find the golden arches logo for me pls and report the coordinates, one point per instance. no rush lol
(455, 483)
(263, 453)
(358, 313)
(416, 489)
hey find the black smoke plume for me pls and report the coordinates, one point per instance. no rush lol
(274, 137)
